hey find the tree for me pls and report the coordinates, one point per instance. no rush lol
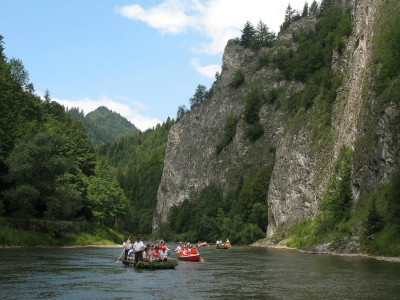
(107, 200)
(289, 13)
(248, 34)
(263, 36)
(2, 56)
(199, 96)
(35, 165)
(313, 8)
(325, 4)
(181, 111)
(305, 10)
(19, 74)
(46, 96)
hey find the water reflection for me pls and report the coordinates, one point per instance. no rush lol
(236, 273)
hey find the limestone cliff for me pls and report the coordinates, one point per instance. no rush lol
(303, 159)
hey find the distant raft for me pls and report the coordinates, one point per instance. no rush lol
(223, 246)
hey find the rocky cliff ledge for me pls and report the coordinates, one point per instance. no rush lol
(303, 158)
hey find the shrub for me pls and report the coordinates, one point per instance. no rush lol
(263, 61)
(252, 106)
(337, 200)
(229, 132)
(237, 79)
(254, 131)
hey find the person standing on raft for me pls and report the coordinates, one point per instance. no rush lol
(138, 247)
(126, 245)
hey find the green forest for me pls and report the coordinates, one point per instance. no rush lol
(59, 183)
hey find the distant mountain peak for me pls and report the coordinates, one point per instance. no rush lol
(104, 125)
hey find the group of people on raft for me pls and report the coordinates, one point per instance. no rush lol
(221, 243)
(137, 251)
(186, 249)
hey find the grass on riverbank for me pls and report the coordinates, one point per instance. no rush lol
(10, 237)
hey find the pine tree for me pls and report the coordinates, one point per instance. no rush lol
(181, 111)
(199, 96)
(263, 36)
(248, 34)
(314, 8)
(305, 10)
(289, 14)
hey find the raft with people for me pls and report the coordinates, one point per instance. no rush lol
(200, 244)
(222, 245)
(188, 252)
(146, 257)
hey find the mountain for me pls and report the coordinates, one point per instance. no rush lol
(320, 108)
(103, 125)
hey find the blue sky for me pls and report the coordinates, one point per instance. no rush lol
(141, 59)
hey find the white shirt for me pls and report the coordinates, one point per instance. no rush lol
(126, 245)
(138, 246)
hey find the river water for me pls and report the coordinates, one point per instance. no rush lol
(236, 273)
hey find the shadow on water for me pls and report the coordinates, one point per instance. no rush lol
(236, 273)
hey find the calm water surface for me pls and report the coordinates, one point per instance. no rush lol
(236, 273)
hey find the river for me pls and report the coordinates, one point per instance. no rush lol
(236, 273)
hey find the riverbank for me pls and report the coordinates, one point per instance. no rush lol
(313, 250)
(92, 237)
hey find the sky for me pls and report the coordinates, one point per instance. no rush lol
(141, 59)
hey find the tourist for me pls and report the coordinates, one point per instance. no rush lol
(126, 245)
(155, 254)
(146, 253)
(164, 255)
(138, 246)
(179, 248)
(131, 253)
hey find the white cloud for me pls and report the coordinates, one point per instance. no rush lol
(125, 110)
(208, 71)
(218, 20)
(170, 16)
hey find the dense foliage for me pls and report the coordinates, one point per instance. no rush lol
(138, 161)
(47, 163)
(240, 216)
(103, 125)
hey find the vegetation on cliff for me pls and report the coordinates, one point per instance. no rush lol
(305, 60)
(372, 224)
(240, 216)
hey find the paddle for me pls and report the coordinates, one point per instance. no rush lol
(123, 250)
(202, 260)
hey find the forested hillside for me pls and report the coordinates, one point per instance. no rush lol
(138, 161)
(50, 180)
(103, 125)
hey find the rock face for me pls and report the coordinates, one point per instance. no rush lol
(302, 166)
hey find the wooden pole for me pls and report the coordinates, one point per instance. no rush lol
(123, 250)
